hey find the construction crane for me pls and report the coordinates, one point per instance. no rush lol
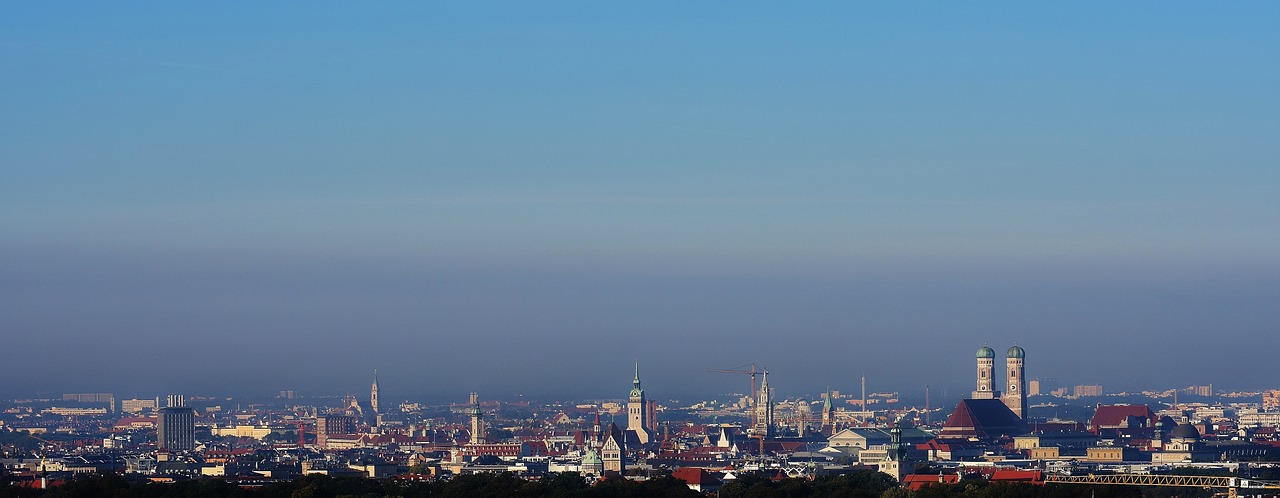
(751, 398)
(1231, 485)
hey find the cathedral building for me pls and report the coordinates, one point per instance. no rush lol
(1015, 394)
(990, 412)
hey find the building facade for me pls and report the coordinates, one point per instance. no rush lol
(477, 421)
(176, 428)
(637, 411)
(1015, 395)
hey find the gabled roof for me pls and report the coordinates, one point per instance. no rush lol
(1118, 415)
(982, 418)
(615, 434)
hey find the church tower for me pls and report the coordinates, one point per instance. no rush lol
(373, 393)
(1016, 395)
(477, 420)
(828, 424)
(764, 409)
(986, 372)
(636, 410)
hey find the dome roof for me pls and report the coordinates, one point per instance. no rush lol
(986, 352)
(591, 458)
(1016, 352)
(1185, 431)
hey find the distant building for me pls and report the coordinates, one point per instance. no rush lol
(592, 465)
(764, 409)
(1271, 399)
(991, 413)
(613, 451)
(373, 394)
(1108, 419)
(637, 411)
(1015, 397)
(477, 421)
(137, 405)
(249, 431)
(108, 398)
(982, 418)
(986, 372)
(333, 425)
(1015, 394)
(1033, 387)
(1205, 391)
(1087, 390)
(176, 426)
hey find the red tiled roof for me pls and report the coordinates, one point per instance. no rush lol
(1118, 415)
(982, 417)
(916, 481)
(1031, 476)
(695, 475)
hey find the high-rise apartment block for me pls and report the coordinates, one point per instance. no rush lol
(176, 426)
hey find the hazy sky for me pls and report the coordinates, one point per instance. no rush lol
(524, 197)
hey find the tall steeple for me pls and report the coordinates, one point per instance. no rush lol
(637, 409)
(1015, 397)
(477, 420)
(764, 408)
(373, 393)
(986, 388)
(827, 411)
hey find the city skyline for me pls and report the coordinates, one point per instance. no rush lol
(519, 199)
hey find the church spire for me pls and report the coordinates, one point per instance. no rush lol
(373, 393)
(636, 382)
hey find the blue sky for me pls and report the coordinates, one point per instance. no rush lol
(458, 194)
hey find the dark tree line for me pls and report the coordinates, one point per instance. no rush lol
(860, 484)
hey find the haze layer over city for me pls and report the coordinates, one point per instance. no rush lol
(525, 198)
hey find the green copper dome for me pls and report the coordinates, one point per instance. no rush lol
(986, 352)
(1016, 352)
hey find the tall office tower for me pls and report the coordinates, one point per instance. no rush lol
(986, 370)
(1016, 395)
(176, 426)
(764, 408)
(636, 408)
(373, 393)
(477, 420)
